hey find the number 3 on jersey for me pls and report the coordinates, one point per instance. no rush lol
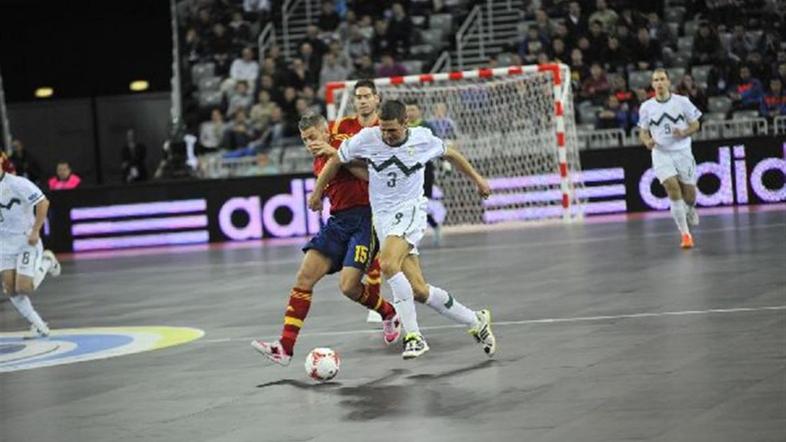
(392, 180)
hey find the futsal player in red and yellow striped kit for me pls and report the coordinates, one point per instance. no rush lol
(346, 243)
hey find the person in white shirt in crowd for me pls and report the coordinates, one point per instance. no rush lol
(245, 68)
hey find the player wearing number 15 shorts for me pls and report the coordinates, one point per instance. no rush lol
(346, 244)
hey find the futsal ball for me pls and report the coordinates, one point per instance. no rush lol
(322, 364)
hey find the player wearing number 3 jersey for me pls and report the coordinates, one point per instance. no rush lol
(395, 156)
(346, 244)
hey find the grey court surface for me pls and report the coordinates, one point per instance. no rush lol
(607, 332)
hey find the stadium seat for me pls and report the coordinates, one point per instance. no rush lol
(432, 36)
(674, 15)
(209, 99)
(639, 79)
(713, 116)
(745, 115)
(202, 70)
(701, 73)
(443, 22)
(413, 66)
(209, 84)
(675, 74)
(719, 104)
(691, 27)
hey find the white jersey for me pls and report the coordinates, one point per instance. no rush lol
(661, 118)
(18, 195)
(396, 173)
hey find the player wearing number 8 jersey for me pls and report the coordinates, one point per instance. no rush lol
(667, 121)
(395, 155)
(23, 261)
(346, 243)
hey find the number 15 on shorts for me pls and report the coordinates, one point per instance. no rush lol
(361, 254)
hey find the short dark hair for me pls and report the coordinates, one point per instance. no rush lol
(366, 83)
(393, 110)
(664, 71)
(311, 119)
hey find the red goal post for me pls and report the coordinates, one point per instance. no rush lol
(540, 99)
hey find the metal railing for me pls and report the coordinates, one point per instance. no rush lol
(266, 39)
(442, 64)
(288, 10)
(472, 26)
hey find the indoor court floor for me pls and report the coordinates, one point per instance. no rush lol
(607, 331)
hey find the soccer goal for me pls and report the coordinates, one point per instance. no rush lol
(514, 124)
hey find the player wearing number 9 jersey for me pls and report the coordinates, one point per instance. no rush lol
(23, 261)
(395, 155)
(346, 243)
(667, 121)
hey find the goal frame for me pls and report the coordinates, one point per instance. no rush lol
(560, 79)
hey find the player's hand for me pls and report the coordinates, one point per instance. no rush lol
(483, 188)
(321, 148)
(315, 202)
(649, 144)
(33, 238)
(678, 133)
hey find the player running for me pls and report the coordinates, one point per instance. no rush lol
(346, 243)
(667, 121)
(396, 155)
(23, 261)
(366, 101)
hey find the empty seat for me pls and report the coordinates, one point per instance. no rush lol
(210, 99)
(209, 84)
(202, 70)
(432, 36)
(713, 116)
(719, 104)
(444, 22)
(675, 14)
(701, 73)
(639, 79)
(413, 66)
(675, 74)
(691, 27)
(745, 114)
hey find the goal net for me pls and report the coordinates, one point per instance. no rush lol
(515, 125)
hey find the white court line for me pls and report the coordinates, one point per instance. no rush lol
(473, 248)
(534, 321)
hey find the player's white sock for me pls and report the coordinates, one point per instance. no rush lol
(448, 306)
(679, 212)
(404, 302)
(25, 308)
(41, 271)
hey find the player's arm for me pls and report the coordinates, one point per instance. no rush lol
(646, 139)
(644, 125)
(692, 115)
(692, 128)
(459, 162)
(329, 170)
(41, 208)
(358, 168)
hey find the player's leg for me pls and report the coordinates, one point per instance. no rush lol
(48, 265)
(391, 257)
(352, 287)
(23, 286)
(314, 267)
(446, 305)
(428, 190)
(686, 170)
(666, 170)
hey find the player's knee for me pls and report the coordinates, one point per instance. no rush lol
(24, 288)
(305, 280)
(389, 267)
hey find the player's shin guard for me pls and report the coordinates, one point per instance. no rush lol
(404, 301)
(447, 306)
(372, 300)
(299, 303)
(679, 213)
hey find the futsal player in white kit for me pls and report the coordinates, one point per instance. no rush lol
(667, 121)
(396, 155)
(23, 261)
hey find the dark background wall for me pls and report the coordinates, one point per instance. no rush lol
(64, 130)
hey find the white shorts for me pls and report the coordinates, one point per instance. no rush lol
(407, 221)
(678, 163)
(18, 255)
